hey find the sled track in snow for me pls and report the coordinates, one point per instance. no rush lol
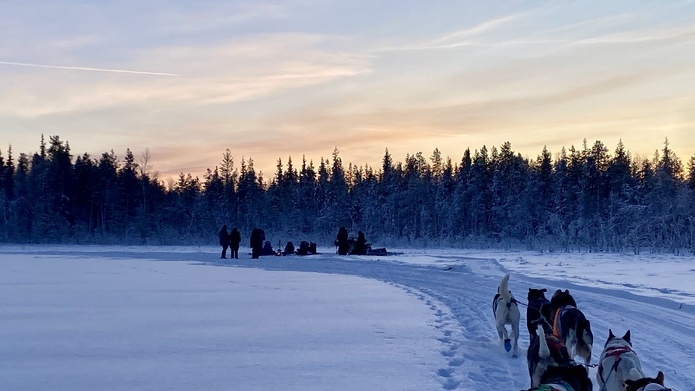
(461, 300)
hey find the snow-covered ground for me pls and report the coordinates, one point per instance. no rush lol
(180, 318)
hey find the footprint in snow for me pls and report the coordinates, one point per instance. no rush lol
(451, 384)
(457, 362)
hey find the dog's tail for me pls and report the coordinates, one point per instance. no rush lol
(543, 350)
(503, 290)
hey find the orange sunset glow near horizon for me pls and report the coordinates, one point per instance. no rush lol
(272, 80)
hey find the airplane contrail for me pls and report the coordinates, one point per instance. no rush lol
(86, 69)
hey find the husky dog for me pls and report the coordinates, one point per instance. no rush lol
(538, 310)
(568, 376)
(618, 363)
(557, 355)
(561, 299)
(570, 324)
(506, 311)
(647, 384)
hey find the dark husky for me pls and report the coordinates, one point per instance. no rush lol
(553, 373)
(561, 299)
(570, 324)
(538, 310)
(538, 364)
(647, 384)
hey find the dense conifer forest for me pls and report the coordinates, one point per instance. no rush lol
(585, 199)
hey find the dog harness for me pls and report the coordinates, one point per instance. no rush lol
(498, 298)
(559, 386)
(538, 304)
(615, 353)
(557, 330)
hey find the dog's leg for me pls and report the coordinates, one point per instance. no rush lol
(587, 341)
(571, 342)
(501, 331)
(515, 330)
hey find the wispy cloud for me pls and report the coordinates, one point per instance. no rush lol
(236, 71)
(459, 38)
(221, 16)
(640, 36)
(24, 64)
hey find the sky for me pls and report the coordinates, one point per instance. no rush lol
(272, 80)
(179, 318)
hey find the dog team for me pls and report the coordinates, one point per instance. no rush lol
(559, 332)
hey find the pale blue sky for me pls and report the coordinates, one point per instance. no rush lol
(276, 79)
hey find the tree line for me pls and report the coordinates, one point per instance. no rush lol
(583, 199)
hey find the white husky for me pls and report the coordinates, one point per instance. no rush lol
(506, 311)
(618, 363)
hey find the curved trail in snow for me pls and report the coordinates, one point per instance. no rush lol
(460, 296)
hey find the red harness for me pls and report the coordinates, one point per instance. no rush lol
(615, 352)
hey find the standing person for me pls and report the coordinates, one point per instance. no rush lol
(341, 240)
(234, 240)
(256, 242)
(224, 241)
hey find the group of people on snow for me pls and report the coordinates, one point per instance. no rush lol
(347, 245)
(230, 240)
(260, 246)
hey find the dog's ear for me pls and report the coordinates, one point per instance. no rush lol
(567, 291)
(660, 378)
(544, 290)
(626, 337)
(610, 334)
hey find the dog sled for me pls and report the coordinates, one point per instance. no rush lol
(368, 250)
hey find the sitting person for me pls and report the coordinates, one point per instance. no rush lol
(312, 248)
(303, 248)
(267, 249)
(360, 245)
(289, 249)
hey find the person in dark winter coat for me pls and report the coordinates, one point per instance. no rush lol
(256, 242)
(341, 240)
(224, 240)
(289, 249)
(360, 247)
(303, 248)
(234, 240)
(268, 248)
